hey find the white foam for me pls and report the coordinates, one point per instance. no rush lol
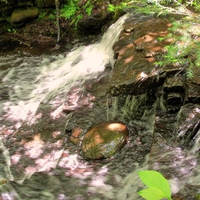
(36, 80)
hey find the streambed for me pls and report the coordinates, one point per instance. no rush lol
(38, 161)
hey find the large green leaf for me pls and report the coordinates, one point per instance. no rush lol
(152, 193)
(156, 180)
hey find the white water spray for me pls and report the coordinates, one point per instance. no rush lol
(81, 64)
(49, 82)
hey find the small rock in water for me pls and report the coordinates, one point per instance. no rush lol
(75, 136)
(104, 140)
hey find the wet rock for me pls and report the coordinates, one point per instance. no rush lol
(95, 21)
(174, 98)
(193, 92)
(174, 84)
(75, 136)
(188, 122)
(193, 87)
(104, 140)
(20, 16)
(93, 24)
(174, 90)
(138, 47)
(78, 98)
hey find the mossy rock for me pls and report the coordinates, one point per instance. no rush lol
(104, 140)
(22, 15)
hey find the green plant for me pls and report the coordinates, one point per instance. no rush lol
(120, 6)
(184, 51)
(158, 7)
(88, 7)
(158, 186)
(185, 48)
(11, 30)
(52, 16)
(75, 11)
(198, 197)
(42, 15)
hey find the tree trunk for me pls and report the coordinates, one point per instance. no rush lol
(57, 4)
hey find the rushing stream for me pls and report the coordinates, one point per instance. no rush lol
(36, 159)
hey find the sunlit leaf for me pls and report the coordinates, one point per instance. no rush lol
(154, 179)
(152, 193)
(111, 7)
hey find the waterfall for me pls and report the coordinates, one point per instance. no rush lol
(36, 80)
(31, 82)
(82, 63)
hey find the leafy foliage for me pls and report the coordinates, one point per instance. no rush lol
(159, 7)
(158, 186)
(11, 30)
(42, 15)
(52, 16)
(185, 34)
(45, 15)
(185, 48)
(75, 11)
(198, 197)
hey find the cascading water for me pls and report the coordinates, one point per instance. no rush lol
(39, 163)
(46, 79)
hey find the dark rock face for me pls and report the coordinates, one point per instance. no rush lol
(193, 87)
(136, 50)
(135, 71)
(104, 140)
(174, 90)
(94, 23)
(177, 110)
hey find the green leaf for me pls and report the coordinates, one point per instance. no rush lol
(152, 193)
(154, 179)
(111, 7)
(89, 10)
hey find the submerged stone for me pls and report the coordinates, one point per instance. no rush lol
(104, 140)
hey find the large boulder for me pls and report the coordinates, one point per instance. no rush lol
(138, 47)
(104, 140)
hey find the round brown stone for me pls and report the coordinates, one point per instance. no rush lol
(104, 140)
